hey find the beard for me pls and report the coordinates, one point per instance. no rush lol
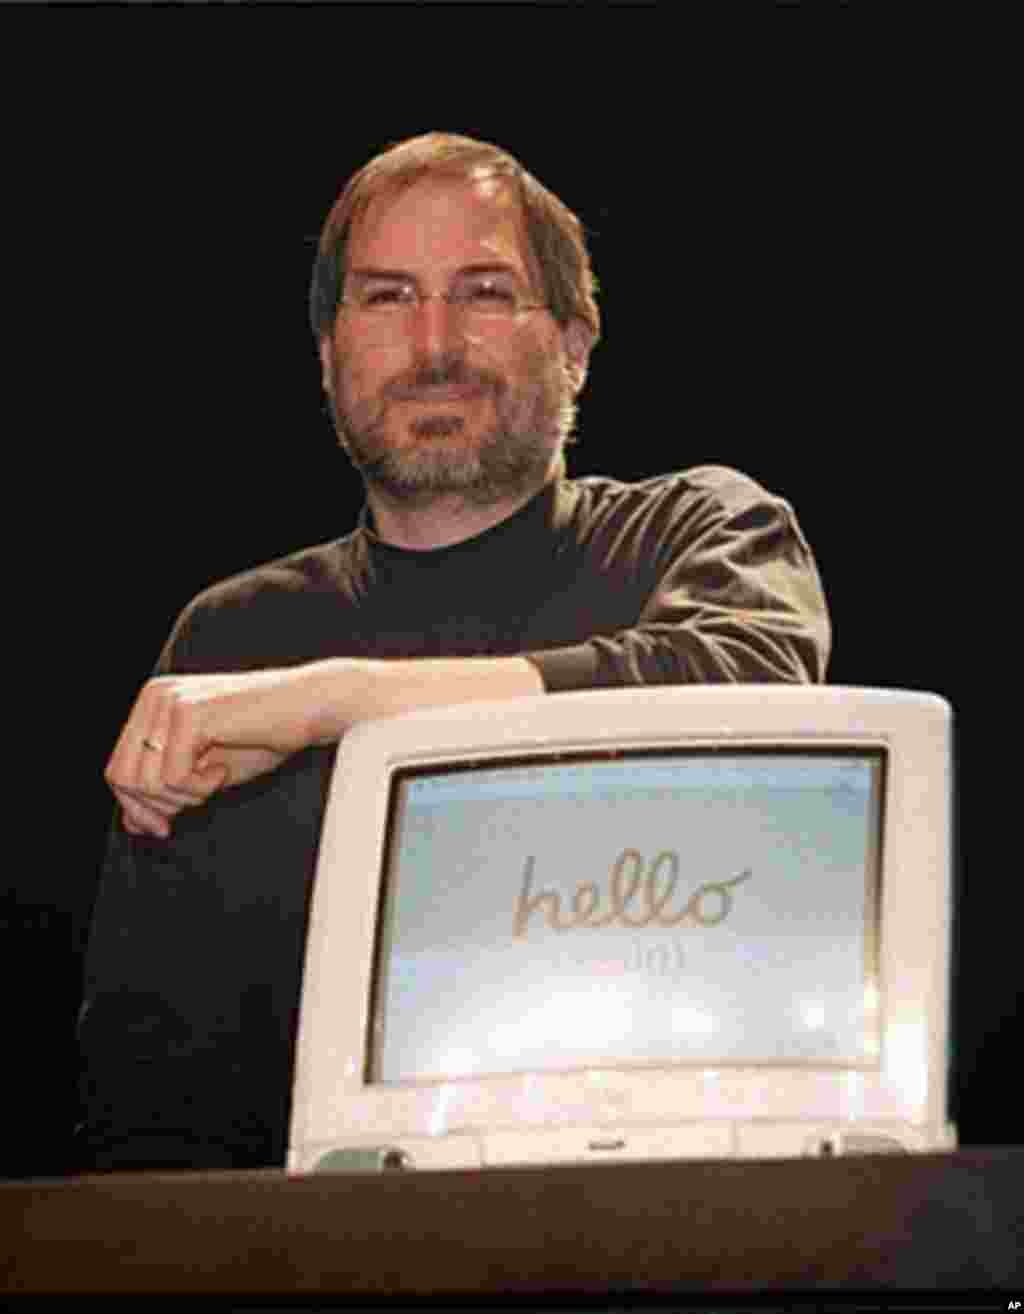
(511, 458)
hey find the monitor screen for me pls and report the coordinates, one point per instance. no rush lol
(713, 907)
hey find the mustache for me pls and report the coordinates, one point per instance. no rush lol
(455, 375)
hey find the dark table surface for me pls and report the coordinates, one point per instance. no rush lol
(603, 1233)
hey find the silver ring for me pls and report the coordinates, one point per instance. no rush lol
(153, 744)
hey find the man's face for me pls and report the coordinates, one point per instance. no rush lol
(391, 390)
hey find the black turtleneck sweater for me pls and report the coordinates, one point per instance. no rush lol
(195, 957)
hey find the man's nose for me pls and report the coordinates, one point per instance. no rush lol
(435, 325)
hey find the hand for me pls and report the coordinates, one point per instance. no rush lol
(207, 732)
(189, 736)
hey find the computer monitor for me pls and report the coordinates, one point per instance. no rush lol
(708, 921)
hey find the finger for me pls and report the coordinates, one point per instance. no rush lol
(168, 800)
(211, 770)
(166, 805)
(153, 745)
(129, 759)
(141, 819)
(185, 800)
(122, 767)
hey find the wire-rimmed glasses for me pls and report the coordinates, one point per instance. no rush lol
(387, 303)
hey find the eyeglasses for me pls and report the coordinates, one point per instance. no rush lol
(389, 303)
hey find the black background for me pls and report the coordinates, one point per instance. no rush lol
(764, 209)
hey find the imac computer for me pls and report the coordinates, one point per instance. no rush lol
(707, 921)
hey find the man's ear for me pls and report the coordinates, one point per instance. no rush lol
(578, 338)
(326, 362)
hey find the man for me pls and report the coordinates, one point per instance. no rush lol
(453, 306)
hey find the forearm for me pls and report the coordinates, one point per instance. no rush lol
(349, 691)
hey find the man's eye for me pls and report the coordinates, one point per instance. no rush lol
(384, 296)
(491, 292)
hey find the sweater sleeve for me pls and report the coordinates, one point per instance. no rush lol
(735, 598)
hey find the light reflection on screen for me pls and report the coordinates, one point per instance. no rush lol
(711, 909)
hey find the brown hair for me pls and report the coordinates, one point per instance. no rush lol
(554, 233)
